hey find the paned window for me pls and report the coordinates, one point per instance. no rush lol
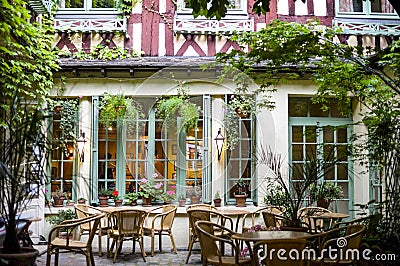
(87, 4)
(366, 7)
(64, 151)
(321, 135)
(240, 159)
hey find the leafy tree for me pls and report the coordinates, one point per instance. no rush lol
(287, 51)
(26, 77)
(218, 8)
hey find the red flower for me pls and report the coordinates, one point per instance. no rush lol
(115, 193)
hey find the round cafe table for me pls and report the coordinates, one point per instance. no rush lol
(267, 235)
(253, 237)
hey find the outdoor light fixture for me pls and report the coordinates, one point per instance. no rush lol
(81, 146)
(219, 140)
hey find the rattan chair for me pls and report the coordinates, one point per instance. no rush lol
(305, 215)
(199, 214)
(343, 239)
(126, 225)
(82, 211)
(266, 252)
(252, 216)
(68, 243)
(161, 224)
(210, 250)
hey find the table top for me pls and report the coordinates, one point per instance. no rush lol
(267, 235)
(334, 215)
(111, 209)
(229, 212)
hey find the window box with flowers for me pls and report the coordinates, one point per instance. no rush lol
(324, 193)
(150, 190)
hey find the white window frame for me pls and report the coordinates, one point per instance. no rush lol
(231, 13)
(87, 8)
(366, 13)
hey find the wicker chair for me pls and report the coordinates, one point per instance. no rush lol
(126, 225)
(68, 243)
(305, 215)
(350, 236)
(161, 224)
(264, 257)
(195, 215)
(211, 252)
(253, 216)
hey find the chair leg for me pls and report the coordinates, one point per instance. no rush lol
(56, 253)
(87, 259)
(100, 249)
(109, 251)
(140, 240)
(48, 256)
(159, 241)
(91, 257)
(172, 241)
(117, 247)
(191, 242)
(152, 243)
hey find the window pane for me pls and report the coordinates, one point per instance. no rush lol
(297, 134)
(316, 111)
(297, 152)
(328, 134)
(297, 107)
(103, 3)
(350, 6)
(311, 134)
(381, 6)
(341, 135)
(71, 3)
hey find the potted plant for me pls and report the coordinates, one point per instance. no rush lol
(104, 195)
(168, 108)
(118, 108)
(62, 215)
(81, 200)
(238, 105)
(182, 200)
(117, 199)
(168, 196)
(324, 192)
(131, 198)
(150, 190)
(217, 199)
(26, 80)
(58, 198)
(194, 193)
(240, 193)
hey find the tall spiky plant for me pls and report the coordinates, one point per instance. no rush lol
(26, 77)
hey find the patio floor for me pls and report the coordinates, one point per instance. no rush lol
(167, 257)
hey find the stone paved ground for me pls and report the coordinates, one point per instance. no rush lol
(167, 257)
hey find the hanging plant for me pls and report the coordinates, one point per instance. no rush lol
(68, 110)
(168, 108)
(117, 109)
(237, 106)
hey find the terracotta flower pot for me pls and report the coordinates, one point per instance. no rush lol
(58, 202)
(147, 201)
(241, 200)
(182, 202)
(323, 203)
(118, 203)
(217, 202)
(194, 200)
(103, 201)
(26, 258)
